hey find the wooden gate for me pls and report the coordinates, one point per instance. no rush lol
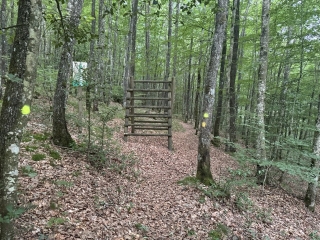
(143, 115)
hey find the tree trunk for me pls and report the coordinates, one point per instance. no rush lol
(233, 73)
(310, 198)
(3, 44)
(262, 82)
(216, 129)
(203, 167)
(18, 95)
(60, 133)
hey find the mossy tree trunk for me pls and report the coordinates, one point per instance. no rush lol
(203, 169)
(19, 90)
(60, 133)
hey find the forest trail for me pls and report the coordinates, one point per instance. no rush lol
(71, 200)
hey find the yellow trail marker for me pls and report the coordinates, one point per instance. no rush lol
(206, 115)
(203, 124)
(25, 109)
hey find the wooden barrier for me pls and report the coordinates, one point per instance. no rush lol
(141, 121)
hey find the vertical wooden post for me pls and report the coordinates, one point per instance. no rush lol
(170, 95)
(131, 86)
(126, 121)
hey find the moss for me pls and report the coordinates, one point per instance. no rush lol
(54, 155)
(38, 157)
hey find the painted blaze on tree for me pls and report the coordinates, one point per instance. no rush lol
(203, 169)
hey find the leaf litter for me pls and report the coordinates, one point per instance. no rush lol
(72, 200)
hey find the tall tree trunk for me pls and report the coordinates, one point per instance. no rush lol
(203, 167)
(233, 73)
(60, 133)
(310, 198)
(3, 44)
(175, 51)
(216, 129)
(17, 97)
(91, 63)
(131, 49)
(188, 85)
(262, 84)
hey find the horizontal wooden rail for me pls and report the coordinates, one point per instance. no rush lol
(147, 125)
(152, 128)
(147, 98)
(149, 121)
(150, 81)
(140, 106)
(149, 115)
(148, 90)
(147, 134)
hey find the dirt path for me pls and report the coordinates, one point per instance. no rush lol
(73, 201)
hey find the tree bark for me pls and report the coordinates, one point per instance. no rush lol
(19, 90)
(60, 133)
(203, 166)
(3, 44)
(233, 73)
(262, 82)
(310, 197)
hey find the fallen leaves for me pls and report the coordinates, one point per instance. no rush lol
(109, 205)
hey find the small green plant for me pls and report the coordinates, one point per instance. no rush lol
(28, 171)
(219, 232)
(191, 232)
(53, 205)
(141, 227)
(31, 148)
(12, 213)
(63, 183)
(56, 221)
(264, 215)
(243, 201)
(40, 136)
(26, 137)
(38, 157)
(314, 235)
(54, 155)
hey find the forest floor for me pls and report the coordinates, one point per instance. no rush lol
(139, 197)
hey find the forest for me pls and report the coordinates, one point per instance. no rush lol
(159, 119)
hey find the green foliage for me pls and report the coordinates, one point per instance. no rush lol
(54, 155)
(12, 213)
(314, 235)
(141, 227)
(54, 221)
(117, 94)
(38, 157)
(31, 148)
(243, 201)
(219, 232)
(41, 136)
(264, 215)
(191, 232)
(26, 137)
(28, 171)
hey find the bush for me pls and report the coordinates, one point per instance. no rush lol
(117, 94)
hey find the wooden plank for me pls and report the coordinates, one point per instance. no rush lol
(147, 125)
(152, 128)
(148, 90)
(150, 121)
(150, 81)
(140, 106)
(149, 115)
(148, 98)
(147, 134)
